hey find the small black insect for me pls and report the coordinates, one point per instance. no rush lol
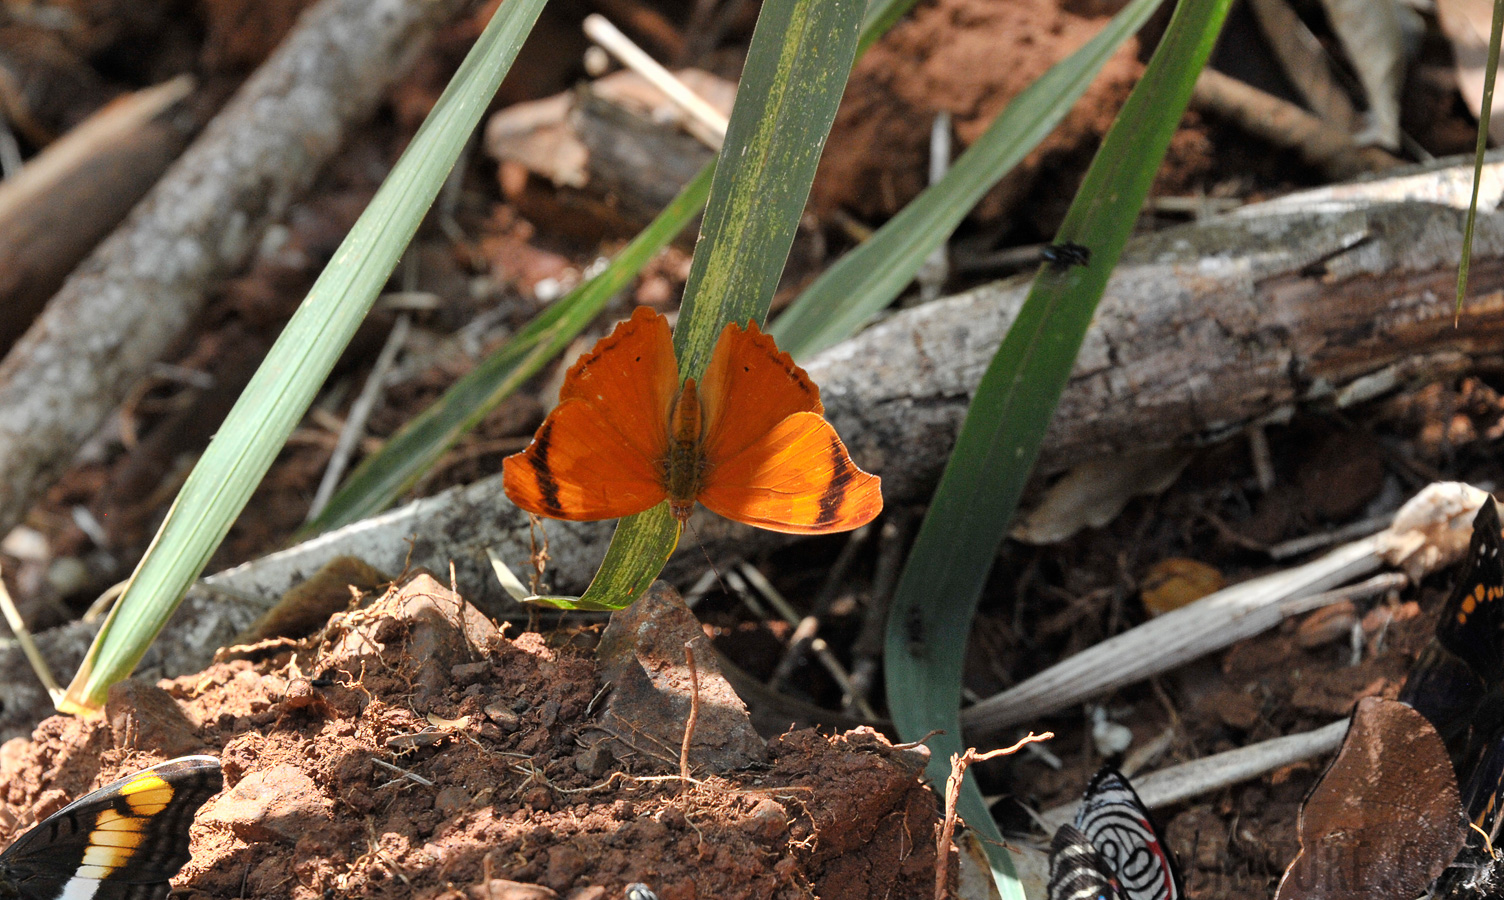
(1063, 256)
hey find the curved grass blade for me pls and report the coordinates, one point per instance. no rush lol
(796, 70)
(287, 381)
(942, 581)
(865, 281)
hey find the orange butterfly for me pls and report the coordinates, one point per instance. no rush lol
(750, 443)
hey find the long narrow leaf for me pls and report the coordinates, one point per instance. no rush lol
(1485, 111)
(287, 381)
(796, 70)
(868, 278)
(978, 494)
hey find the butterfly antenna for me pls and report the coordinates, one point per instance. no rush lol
(689, 526)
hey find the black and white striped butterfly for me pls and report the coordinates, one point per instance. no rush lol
(1112, 850)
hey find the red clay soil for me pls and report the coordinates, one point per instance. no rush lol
(412, 750)
(969, 58)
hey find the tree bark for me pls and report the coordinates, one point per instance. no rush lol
(1203, 330)
(137, 292)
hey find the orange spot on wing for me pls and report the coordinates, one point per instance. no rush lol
(764, 454)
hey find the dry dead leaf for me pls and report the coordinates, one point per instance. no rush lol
(1371, 35)
(1466, 25)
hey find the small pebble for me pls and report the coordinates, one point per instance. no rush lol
(467, 673)
(451, 800)
(767, 821)
(504, 718)
(595, 762)
(1326, 625)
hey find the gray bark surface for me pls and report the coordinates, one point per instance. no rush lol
(134, 296)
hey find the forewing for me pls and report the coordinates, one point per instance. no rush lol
(749, 387)
(1472, 622)
(579, 467)
(797, 478)
(630, 376)
(121, 842)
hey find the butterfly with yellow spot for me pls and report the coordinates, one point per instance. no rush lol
(121, 842)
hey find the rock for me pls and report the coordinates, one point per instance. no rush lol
(641, 654)
(451, 800)
(469, 673)
(277, 804)
(143, 715)
(442, 631)
(501, 889)
(767, 822)
(503, 716)
(595, 761)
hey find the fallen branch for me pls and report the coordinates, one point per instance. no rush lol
(138, 291)
(1220, 770)
(1232, 614)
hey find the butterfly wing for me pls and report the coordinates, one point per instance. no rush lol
(1477, 872)
(749, 387)
(797, 478)
(1385, 819)
(1472, 622)
(771, 459)
(1077, 871)
(597, 454)
(1114, 819)
(121, 842)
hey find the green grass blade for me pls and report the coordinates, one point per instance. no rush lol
(414, 449)
(796, 70)
(1485, 111)
(868, 278)
(978, 494)
(287, 381)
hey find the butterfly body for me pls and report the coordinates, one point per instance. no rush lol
(684, 471)
(748, 440)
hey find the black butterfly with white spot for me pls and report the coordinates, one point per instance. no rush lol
(121, 842)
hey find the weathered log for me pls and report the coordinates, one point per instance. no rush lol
(134, 296)
(1325, 299)
(63, 202)
(1203, 330)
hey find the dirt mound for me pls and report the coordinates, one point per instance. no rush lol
(412, 750)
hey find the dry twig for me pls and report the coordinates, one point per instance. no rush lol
(694, 714)
(959, 763)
